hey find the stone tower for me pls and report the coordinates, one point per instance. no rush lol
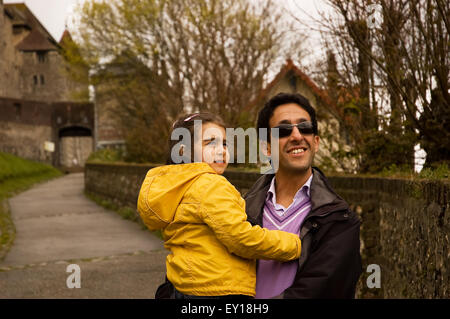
(30, 58)
(39, 118)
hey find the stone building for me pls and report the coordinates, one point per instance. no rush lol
(333, 137)
(39, 118)
(109, 132)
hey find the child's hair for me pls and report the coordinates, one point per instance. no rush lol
(187, 121)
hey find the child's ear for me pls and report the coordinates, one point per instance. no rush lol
(184, 152)
(182, 148)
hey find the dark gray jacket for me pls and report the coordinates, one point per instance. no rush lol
(330, 261)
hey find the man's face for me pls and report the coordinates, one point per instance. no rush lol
(296, 151)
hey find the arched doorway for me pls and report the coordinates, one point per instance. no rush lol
(75, 145)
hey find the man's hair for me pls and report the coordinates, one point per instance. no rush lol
(187, 121)
(266, 112)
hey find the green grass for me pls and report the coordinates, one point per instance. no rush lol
(7, 229)
(16, 175)
(436, 173)
(106, 156)
(440, 172)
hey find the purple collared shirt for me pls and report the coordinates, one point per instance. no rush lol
(273, 277)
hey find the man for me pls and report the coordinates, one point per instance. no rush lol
(299, 199)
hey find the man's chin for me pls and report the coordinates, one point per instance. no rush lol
(296, 168)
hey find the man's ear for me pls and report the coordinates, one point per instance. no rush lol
(317, 141)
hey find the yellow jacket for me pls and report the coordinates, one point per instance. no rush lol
(213, 247)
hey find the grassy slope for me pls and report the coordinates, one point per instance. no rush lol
(17, 174)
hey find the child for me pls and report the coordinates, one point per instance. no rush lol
(213, 247)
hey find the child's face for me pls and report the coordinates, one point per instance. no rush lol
(214, 148)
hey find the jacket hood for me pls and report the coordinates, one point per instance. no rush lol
(163, 190)
(323, 195)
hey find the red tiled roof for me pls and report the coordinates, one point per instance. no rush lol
(65, 37)
(35, 41)
(289, 66)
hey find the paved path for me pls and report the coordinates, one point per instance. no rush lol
(56, 225)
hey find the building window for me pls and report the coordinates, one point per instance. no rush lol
(18, 109)
(42, 80)
(35, 80)
(41, 56)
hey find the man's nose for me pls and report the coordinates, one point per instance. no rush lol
(295, 134)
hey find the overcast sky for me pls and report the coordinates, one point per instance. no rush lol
(53, 13)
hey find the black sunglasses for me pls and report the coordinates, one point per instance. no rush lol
(305, 128)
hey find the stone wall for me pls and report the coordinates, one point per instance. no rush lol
(26, 140)
(405, 224)
(24, 128)
(45, 79)
(108, 129)
(26, 125)
(405, 230)
(119, 183)
(9, 59)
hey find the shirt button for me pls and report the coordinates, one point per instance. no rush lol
(346, 215)
(315, 225)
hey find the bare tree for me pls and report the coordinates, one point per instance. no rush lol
(406, 59)
(160, 58)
